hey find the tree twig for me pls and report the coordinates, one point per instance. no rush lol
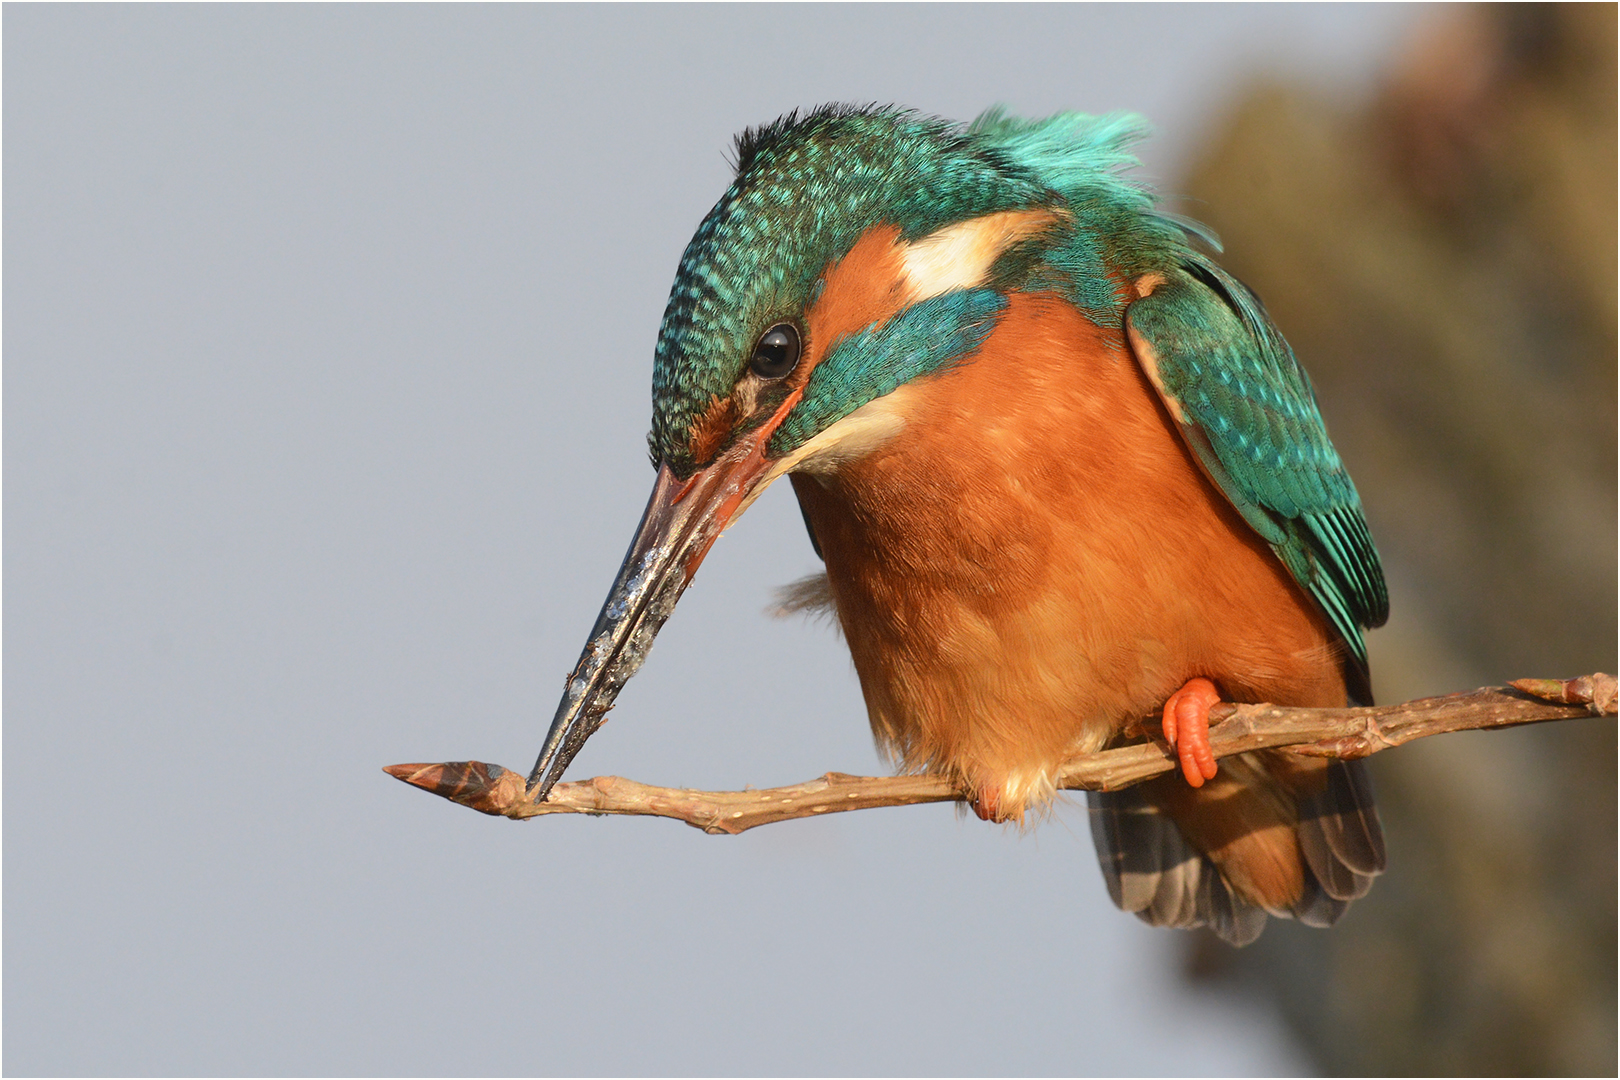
(1341, 733)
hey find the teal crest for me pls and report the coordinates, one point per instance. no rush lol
(807, 189)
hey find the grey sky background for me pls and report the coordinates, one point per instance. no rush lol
(328, 336)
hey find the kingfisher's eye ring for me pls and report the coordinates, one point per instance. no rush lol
(777, 352)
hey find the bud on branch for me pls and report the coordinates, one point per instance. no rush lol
(1234, 729)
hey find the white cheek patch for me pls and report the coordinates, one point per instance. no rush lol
(855, 436)
(960, 256)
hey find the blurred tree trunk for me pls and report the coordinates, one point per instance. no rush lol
(1445, 266)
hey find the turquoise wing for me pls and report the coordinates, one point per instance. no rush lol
(1246, 408)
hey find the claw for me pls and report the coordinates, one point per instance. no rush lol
(1186, 727)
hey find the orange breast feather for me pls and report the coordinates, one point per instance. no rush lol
(1035, 559)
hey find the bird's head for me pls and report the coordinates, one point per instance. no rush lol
(856, 251)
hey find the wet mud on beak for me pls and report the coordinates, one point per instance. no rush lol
(682, 521)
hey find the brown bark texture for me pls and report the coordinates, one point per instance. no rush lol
(1342, 733)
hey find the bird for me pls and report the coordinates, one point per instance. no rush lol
(1062, 470)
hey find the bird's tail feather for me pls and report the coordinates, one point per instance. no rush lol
(1341, 840)
(1285, 835)
(1154, 873)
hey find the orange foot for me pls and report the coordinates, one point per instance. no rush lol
(1186, 727)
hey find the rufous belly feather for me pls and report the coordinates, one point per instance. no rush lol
(1011, 567)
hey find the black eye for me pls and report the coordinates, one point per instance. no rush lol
(777, 352)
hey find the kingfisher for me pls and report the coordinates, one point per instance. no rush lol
(1062, 470)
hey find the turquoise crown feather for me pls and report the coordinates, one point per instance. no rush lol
(808, 186)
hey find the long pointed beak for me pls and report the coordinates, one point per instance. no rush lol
(682, 521)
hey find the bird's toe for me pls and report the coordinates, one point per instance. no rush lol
(1186, 728)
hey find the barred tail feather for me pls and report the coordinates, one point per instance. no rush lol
(1154, 873)
(1182, 857)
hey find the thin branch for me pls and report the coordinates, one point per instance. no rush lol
(1340, 733)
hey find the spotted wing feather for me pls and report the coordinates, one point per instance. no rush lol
(1246, 408)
